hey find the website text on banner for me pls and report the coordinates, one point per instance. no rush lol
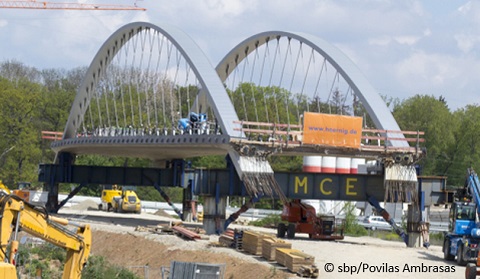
(330, 129)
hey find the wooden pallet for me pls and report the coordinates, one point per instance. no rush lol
(293, 259)
(270, 245)
(252, 242)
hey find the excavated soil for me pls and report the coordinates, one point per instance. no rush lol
(143, 251)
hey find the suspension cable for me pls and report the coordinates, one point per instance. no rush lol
(138, 75)
(302, 90)
(148, 80)
(316, 95)
(251, 82)
(331, 91)
(240, 84)
(157, 77)
(293, 76)
(260, 81)
(281, 79)
(277, 50)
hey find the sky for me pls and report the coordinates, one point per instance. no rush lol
(404, 48)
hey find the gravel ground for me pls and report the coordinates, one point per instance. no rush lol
(368, 257)
(353, 257)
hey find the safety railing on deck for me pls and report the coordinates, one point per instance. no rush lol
(50, 135)
(374, 140)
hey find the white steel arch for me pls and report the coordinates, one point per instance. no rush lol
(369, 97)
(216, 97)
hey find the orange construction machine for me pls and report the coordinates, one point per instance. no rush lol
(302, 218)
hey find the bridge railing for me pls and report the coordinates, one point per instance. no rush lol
(271, 132)
(378, 139)
(288, 135)
(207, 128)
(50, 135)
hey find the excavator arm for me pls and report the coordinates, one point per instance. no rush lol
(473, 187)
(17, 215)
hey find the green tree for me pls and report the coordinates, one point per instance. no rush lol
(464, 152)
(20, 142)
(432, 116)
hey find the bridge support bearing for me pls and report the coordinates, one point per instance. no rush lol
(214, 214)
(52, 200)
(414, 216)
(189, 204)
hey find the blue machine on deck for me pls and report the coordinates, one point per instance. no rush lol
(196, 123)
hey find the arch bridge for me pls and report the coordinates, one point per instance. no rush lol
(150, 92)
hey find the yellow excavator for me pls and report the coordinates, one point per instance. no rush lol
(16, 215)
(4, 188)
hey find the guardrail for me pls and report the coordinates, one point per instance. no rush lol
(252, 214)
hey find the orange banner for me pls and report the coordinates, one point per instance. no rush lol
(330, 129)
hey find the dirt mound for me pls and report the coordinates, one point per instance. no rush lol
(86, 205)
(162, 213)
(137, 251)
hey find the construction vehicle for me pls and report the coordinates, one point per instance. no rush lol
(18, 214)
(302, 218)
(463, 237)
(119, 200)
(29, 194)
(4, 188)
(23, 190)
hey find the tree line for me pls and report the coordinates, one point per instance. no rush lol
(34, 100)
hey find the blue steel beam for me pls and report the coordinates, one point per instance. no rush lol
(222, 183)
(295, 185)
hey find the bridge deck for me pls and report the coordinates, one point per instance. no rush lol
(152, 147)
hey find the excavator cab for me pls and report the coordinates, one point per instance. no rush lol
(24, 185)
(23, 190)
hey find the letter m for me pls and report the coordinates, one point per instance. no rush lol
(301, 183)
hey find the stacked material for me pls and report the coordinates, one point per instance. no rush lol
(184, 232)
(252, 242)
(270, 244)
(226, 238)
(232, 238)
(238, 240)
(308, 271)
(293, 259)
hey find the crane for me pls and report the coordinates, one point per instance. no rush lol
(44, 5)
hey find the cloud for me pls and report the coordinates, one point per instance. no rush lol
(404, 46)
(468, 37)
(453, 77)
(425, 68)
(466, 42)
(386, 40)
